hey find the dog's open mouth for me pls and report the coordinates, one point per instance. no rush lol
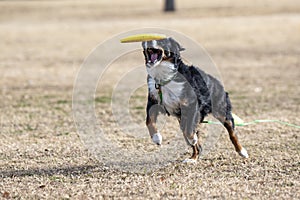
(153, 55)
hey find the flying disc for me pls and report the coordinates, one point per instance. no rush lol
(143, 37)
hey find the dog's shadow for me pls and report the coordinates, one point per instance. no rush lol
(51, 171)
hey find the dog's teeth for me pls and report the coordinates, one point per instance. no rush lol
(244, 153)
(157, 138)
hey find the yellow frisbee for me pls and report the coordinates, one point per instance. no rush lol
(143, 37)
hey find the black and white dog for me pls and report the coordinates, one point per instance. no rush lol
(185, 92)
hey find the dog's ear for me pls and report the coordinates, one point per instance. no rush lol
(144, 44)
(175, 44)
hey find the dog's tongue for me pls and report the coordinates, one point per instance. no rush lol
(154, 57)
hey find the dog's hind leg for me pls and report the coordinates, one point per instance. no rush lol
(222, 112)
(197, 149)
(188, 124)
(229, 125)
(233, 137)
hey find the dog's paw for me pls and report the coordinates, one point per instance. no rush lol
(157, 138)
(190, 161)
(244, 153)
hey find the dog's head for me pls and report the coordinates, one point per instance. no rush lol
(162, 59)
(158, 51)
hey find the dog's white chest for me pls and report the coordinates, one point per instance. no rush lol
(171, 94)
(163, 72)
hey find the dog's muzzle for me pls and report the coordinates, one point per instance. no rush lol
(153, 55)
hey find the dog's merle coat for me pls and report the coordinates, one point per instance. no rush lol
(183, 91)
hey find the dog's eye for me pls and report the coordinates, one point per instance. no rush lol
(152, 50)
(167, 53)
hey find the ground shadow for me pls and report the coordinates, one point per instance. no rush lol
(65, 170)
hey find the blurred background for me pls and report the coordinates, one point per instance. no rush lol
(43, 43)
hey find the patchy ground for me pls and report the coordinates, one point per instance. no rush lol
(255, 45)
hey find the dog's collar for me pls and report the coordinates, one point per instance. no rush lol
(158, 87)
(160, 83)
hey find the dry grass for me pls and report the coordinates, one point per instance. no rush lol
(43, 43)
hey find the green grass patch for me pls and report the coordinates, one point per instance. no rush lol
(103, 99)
(63, 102)
(139, 108)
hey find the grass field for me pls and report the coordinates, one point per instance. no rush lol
(255, 44)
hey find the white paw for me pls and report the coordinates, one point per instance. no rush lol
(244, 153)
(189, 160)
(157, 138)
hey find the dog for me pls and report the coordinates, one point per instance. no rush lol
(186, 92)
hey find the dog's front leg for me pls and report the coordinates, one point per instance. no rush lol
(190, 117)
(153, 109)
